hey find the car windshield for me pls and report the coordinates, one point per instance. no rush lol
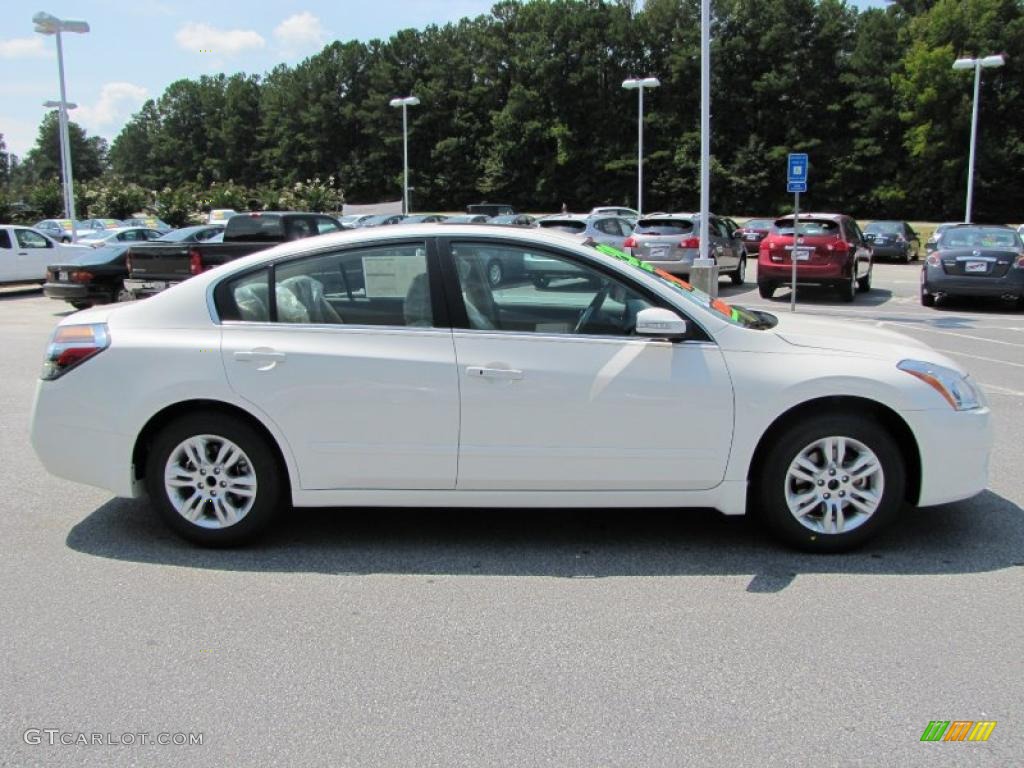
(809, 227)
(979, 237)
(664, 227)
(745, 318)
(884, 228)
(759, 224)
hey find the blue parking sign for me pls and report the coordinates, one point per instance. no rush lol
(797, 172)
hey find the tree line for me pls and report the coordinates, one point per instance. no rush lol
(525, 106)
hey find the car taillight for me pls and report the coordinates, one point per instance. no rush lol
(71, 346)
(195, 261)
(81, 276)
(690, 242)
(630, 242)
(933, 260)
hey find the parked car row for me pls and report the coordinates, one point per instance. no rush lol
(61, 229)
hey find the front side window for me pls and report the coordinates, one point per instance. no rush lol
(29, 239)
(549, 293)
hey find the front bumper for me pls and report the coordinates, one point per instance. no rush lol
(954, 448)
(1010, 285)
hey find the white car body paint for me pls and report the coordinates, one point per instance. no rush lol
(686, 417)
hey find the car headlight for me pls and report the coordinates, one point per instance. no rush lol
(956, 388)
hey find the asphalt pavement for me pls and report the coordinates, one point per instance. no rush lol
(515, 638)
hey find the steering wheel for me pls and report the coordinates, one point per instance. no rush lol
(588, 314)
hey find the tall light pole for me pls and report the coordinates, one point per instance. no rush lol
(639, 84)
(975, 64)
(65, 152)
(47, 24)
(404, 103)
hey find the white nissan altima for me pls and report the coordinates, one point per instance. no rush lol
(381, 367)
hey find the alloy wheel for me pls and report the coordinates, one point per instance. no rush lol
(210, 481)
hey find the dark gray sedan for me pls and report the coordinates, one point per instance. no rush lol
(975, 260)
(893, 240)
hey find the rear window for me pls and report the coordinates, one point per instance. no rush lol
(809, 227)
(884, 228)
(266, 227)
(664, 227)
(759, 224)
(978, 237)
(563, 225)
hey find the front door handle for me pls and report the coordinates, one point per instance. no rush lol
(506, 374)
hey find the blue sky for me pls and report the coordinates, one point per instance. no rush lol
(135, 49)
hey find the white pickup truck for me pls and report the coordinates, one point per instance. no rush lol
(26, 252)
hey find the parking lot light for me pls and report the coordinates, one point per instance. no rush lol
(407, 101)
(48, 24)
(639, 84)
(996, 60)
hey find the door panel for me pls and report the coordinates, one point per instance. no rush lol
(564, 413)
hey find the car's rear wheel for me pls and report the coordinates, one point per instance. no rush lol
(829, 483)
(739, 277)
(213, 479)
(767, 290)
(927, 299)
(864, 283)
(80, 304)
(848, 289)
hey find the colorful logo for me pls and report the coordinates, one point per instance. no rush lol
(958, 730)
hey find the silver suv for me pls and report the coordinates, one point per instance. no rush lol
(671, 241)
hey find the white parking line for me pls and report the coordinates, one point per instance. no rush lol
(978, 357)
(1000, 390)
(954, 333)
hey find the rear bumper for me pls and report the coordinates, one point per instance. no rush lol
(76, 292)
(148, 287)
(889, 251)
(770, 271)
(954, 447)
(1010, 285)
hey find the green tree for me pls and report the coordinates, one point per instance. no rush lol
(88, 153)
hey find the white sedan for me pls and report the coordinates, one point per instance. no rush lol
(380, 367)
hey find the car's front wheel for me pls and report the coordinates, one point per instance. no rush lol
(213, 479)
(848, 289)
(864, 283)
(829, 483)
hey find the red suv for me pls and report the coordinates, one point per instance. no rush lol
(829, 251)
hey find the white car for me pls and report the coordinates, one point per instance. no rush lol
(26, 252)
(379, 367)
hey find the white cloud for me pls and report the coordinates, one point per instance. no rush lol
(220, 42)
(24, 48)
(300, 33)
(116, 104)
(19, 135)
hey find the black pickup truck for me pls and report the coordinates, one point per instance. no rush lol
(152, 267)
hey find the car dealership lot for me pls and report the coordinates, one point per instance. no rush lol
(406, 637)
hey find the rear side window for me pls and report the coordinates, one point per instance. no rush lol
(325, 225)
(5, 239)
(245, 298)
(563, 225)
(664, 227)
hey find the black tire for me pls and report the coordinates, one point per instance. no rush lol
(739, 276)
(768, 492)
(80, 304)
(864, 283)
(927, 299)
(767, 290)
(847, 289)
(495, 273)
(262, 462)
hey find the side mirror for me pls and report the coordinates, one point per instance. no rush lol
(660, 323)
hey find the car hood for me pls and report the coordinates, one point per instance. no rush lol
(854, 338)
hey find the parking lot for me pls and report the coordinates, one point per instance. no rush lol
(518, 637)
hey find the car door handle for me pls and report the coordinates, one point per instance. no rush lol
(507, 374)
(267, 358)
